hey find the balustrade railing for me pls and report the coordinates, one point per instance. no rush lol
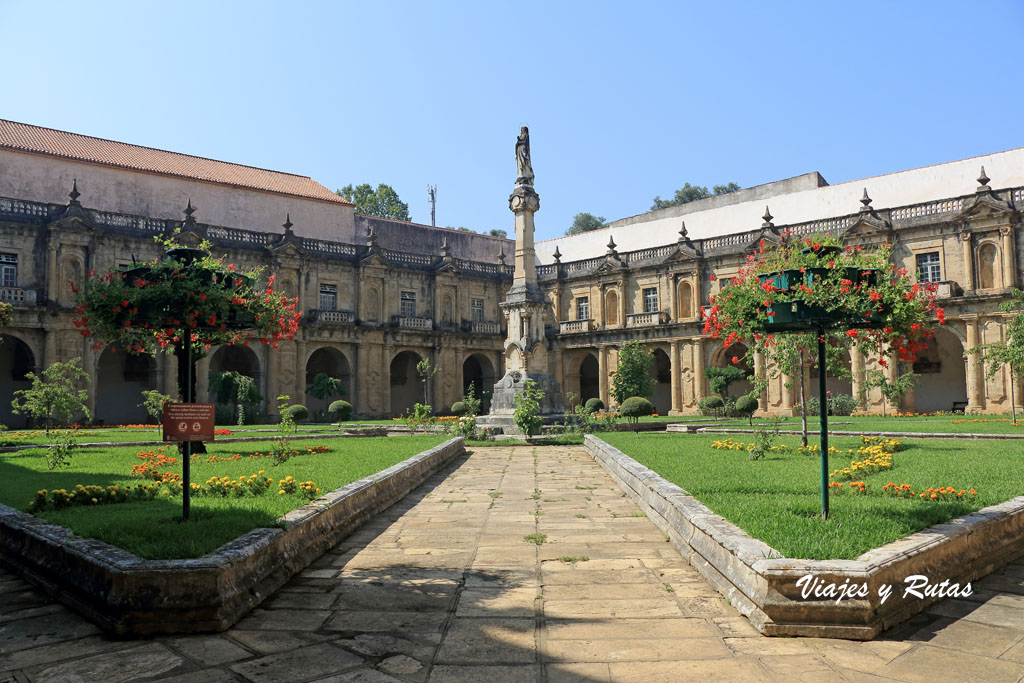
(646, 319)
(575, 326)
(331, 317)
(17, 295)
(412, 322)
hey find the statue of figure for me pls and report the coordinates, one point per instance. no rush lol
(523, 158)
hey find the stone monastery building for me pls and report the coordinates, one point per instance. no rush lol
(379, 295)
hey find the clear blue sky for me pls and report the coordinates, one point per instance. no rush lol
(624, 100)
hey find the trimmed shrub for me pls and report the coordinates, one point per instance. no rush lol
(298, 412)
(459, 408)
(634, 408)
(342, 410)
(746, 405)
(594, 405)
(711, 406)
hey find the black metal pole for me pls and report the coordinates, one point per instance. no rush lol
(823, 413)
(186, 486)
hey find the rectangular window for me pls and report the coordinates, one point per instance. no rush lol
(651, 300)
(328, 297)
(583, 308)
(408, 309)
(8, 270)
(478, 310)
(928, 267)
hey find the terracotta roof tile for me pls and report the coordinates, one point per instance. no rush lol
(37, 140)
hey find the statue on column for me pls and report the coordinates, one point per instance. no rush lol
(523, 158)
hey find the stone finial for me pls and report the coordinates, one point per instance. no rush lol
(74, 194)
(371, 238)
(767, 218)
(983, 181)
(446, 251)
(287, 225)
(611, 246)
(682, 231)
(557, 255)
(501, 256)
(865, 201)
(189, 210)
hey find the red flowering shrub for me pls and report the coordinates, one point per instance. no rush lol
(855, 295)
(187, 295)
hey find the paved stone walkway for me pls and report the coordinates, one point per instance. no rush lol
(443, 587)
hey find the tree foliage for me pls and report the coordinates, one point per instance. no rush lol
(498, 232)
(234, 388)
(633, 376)
(382, 202)
(55, 393)
(719, 379)
(325, 387)
(153, 401)
(691, 193)
(585, 222)
(527, 413)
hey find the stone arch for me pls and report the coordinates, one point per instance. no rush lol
(478, 371)
(70, 272)
(684, 300)
(723, 356)
(942, 374)
(333, 363)
(406, 387)
(590, 378)
(372, 305)
(988, 266)
(448, 309)
(121, 378)
(611, 308)
(16, 359)
(661, 373)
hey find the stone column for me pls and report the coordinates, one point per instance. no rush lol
(1009, 265)
(52, 276)
(676, 371)
(975, 387)
(385, 380)
(698, 369)
(202, 378)
(622, 302)
(437, 390)
(300, 371)
(857, 381)
(170, 386)
(787, 393)
(273, 381)
(968, 255)
(49, 348)
(673, 296)
(602, 375)
(759, 375)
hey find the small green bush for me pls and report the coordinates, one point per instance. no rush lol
(342, 410)
(711, 406)
(459, 408)
(594, 405)
(634, 408)
(298, 412)
(746, 405)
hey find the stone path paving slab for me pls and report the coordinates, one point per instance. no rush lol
(445, 587)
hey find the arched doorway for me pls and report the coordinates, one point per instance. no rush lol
(333, 363)
(16, 360)
(243, 360)
(941, 374)
(406, 387)
(120, 380)
(661, 373)
(590, 382)
(478, 372)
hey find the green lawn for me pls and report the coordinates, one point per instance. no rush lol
(936, 424)
(777, 499)
(154, 529)
(20, 437)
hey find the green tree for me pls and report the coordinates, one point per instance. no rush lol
(1009, 352)
(498, 232)
(325, 387)
(633, 376)
(719, 379)
(54, 393)
(527, 413)
(234, 388)
(585, 222)
(153, 401)
(426, 372)
(691, 193)
(383, 202)
(892, 389)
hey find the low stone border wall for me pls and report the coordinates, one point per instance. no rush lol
(762, 584)
(131, 596)
(814, 430)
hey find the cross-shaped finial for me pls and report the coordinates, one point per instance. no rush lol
(611, 244)
(287, 225)
(189, 210)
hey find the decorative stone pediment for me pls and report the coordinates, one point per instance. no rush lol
(191, 238)
(612, 265)
(73, 219)
(448, 267)
(285, 249)
(868, 227)
(985, 204)
(375, 259)
(769, 235)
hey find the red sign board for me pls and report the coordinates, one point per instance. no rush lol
(188, 422)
